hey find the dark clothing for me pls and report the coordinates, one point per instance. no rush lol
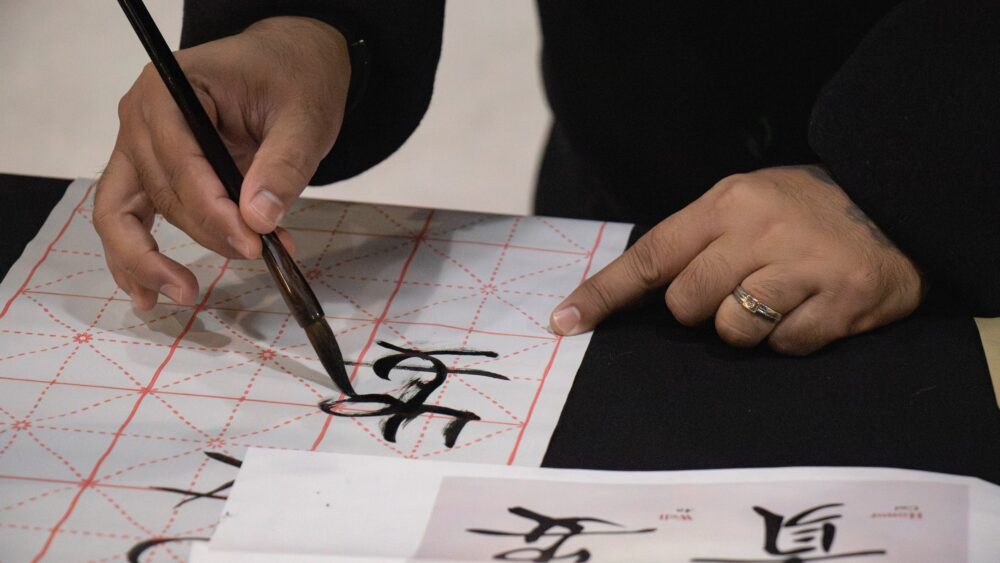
(654, 102)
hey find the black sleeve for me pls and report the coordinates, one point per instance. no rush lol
(910, 129)
(404, 44)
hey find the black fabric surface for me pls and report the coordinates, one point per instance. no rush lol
(652, 394)
(654, 102)
(25, 203)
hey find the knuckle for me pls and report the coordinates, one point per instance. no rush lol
(865, 282)
(163, 201)
(735, 192)
(787, 345)
(768, 290)
(599, 295)
(681, 305)
(643, 264)
(133, 263)
(294, 160)
(125, 105)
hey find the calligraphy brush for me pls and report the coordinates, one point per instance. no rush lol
(292, 284)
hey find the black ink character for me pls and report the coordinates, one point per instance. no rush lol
(138, 549)
(141, 547)
(548, 526)
(810, 534)
(214, 493)
(416, 392)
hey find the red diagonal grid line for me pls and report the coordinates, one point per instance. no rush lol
(400, 335)
(79, 410)
(277, 365)
(561, 234)
(48, 385)
(533, 293)
(449, 230)
(128, 517)
(467, 444)
(391, 219)
(55, 454)
(200, 374)
(109, 433)
(449, 258)
(191, 485)
(239, 335)
(306, 207)
(244, 293)
(275, 426)
(407, 282)
(142, 323)
(381, 318)
(231, 268)
(523, 313)
(514, 246)
(469, 329)
(67, 277)
(251, 381)
(48, 313)
(74, 482)
(482, 360)
(117, 366)
(48, 250)
(32, 333)
(31, 352)
(552, 359)
(177, 414)
(23, 502)
(197, 448)
(81, 296)
(110, 535)
(434, 304)
(177, 246)
(128, 419)
(379, 252)
(542, 271)
(78, 252)
(103, 309)
(483, 394)
(354, 303)
(333, 233)
(378, 439)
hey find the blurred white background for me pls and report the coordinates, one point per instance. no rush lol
(65, 63)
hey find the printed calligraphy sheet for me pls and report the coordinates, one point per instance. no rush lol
(118, 428)
(290, 506)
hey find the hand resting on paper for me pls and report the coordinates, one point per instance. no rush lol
(789, 236)
(276, 92)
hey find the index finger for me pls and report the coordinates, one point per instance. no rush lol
(652, 262)
(121, 219)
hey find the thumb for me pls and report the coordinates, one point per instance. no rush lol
(288, 156)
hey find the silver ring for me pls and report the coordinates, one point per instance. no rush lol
(752, 304)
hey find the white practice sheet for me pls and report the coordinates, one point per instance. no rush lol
(301, 506)
(108, 415)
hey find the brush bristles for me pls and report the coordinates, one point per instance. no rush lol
(326, 347)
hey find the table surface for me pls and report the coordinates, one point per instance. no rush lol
(652, 394)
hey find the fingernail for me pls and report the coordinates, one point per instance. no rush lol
(173, 292)
(268, 206)
(565, 320)
(241, 247)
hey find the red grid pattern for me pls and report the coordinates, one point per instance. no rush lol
(98, 405)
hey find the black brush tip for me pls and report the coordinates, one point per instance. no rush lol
(326, 347)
